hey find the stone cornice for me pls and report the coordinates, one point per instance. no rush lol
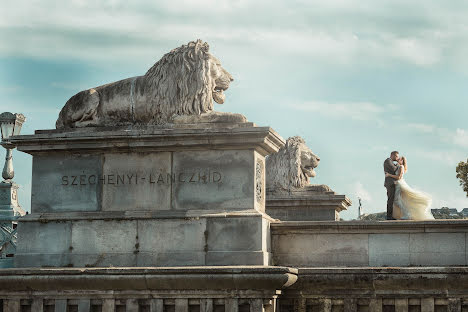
(345, 227)
(151, 138)
(151, 278)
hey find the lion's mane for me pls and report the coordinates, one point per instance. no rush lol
(283, 169)
(180, 82)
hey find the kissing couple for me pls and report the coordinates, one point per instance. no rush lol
(403, 202)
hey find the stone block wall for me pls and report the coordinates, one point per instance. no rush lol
(370, 244)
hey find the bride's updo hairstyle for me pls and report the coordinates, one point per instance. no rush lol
(404, 162)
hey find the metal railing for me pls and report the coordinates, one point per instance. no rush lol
(7, 240)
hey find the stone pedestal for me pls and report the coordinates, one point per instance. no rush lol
(9, 200)
(306, 204)
(9, 212)
(189, 195)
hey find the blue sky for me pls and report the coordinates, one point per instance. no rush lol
(356, 79)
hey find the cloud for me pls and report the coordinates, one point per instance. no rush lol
(461, 138)
(416, 51)
(458, 137)
(448, 157)
(345, 32)
(452, 200)
(420, 127)
(361, 192)
(360, 111)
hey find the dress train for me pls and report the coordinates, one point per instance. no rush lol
(410, 204)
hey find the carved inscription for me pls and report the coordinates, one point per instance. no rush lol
(135, 178)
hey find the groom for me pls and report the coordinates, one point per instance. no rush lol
(390, 182)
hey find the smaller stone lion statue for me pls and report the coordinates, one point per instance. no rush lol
(179, 88)
(291, 167)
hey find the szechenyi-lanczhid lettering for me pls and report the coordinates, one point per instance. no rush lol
(135, 178)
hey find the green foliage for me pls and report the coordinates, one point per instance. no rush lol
(462, 175)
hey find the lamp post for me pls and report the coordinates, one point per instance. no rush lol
(10, 124)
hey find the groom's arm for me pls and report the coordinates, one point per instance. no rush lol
(389, 167)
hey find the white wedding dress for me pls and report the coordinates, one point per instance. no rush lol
(410, 204)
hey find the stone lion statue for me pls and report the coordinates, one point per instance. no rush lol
(291, 167)
(179, 88)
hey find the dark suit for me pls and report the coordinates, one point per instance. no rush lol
(390, 185)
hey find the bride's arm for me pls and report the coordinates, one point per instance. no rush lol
(392, 176)
(397, 177)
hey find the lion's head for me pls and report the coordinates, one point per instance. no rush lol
(186, 80)
(291, 167)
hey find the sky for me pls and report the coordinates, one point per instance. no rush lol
(356, 78)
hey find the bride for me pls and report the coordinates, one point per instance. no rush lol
(409, 203)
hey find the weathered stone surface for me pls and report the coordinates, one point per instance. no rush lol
(176, 259)
(142, 240)
(38, 237)
(171, 235)
(306, 204)
(103, 237)
(214, 180)
(9, 205)
(432, 249)
(137, 181)
(378, 289)
(302, 250)
(241, 288)
(223, 234)
(358, 243)
(149, 168)
(66, 182)
(389, 249)
(136, 279)
(152, 138)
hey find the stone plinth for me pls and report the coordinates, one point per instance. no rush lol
(204, 289)
(9, 205)
(306, 204)
(370, 244)
(147, 196)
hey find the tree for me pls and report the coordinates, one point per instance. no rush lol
(462, 175)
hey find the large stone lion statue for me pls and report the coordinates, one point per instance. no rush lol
(291, 167)
(179, 88)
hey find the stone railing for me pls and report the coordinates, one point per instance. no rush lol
(370, 244)
(185, 289)
(7, 240)
(377, 290)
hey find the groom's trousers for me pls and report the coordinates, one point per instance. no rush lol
(390, 199)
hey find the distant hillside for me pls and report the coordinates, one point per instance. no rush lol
(443, 213)
(380, 216)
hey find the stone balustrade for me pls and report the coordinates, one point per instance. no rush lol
(188, 289)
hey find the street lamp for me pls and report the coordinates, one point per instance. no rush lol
(10, 124)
